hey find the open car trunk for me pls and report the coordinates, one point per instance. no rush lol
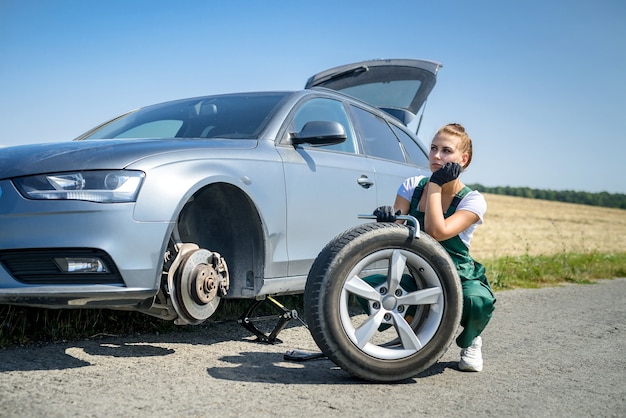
(398, 86)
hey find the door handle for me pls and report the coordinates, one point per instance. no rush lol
(365, 182)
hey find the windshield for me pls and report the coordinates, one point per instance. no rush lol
(225, 116)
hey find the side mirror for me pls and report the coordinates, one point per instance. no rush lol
(319, 132)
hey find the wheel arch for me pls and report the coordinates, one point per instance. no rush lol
(222, 218)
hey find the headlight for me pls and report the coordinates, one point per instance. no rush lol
(95, 186)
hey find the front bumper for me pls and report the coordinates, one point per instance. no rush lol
(35, 232)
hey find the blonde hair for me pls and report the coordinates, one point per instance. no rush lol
(458, 131)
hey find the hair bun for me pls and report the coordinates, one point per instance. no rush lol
(457, 126)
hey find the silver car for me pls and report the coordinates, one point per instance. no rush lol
(169, 208)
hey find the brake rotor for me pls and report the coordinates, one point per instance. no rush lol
(196, 280)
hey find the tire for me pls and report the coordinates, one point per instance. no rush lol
(386, 327)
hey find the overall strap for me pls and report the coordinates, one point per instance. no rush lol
(419, 189)
(457, 199)
(417, 194)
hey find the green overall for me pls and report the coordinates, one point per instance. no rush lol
(478, 298)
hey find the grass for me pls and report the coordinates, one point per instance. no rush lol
(25, 325)
(538, 271)
(524, 243)
(21, 325)
(516, 226)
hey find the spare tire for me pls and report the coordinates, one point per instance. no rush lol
(382, 305)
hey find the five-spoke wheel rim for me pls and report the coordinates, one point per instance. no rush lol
(389, 303)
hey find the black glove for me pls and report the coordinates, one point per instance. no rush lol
(445, 174)
(386, 214)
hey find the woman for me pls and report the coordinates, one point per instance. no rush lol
(450, 212)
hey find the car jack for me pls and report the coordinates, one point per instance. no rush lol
(287, 315)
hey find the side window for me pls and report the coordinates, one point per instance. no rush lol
(319, 109)
(377, 137)
(415, 153)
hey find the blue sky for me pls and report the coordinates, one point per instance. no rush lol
(540, 85)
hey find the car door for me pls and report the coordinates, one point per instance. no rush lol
(393, 152)
(327, 187)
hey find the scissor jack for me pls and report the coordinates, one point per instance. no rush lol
(287, 315)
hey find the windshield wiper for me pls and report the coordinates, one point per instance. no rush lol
(352, 71)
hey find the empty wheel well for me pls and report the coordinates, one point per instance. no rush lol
(223, 219)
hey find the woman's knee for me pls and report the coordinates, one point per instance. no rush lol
(478, 305)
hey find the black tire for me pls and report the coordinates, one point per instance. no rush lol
(388, 329)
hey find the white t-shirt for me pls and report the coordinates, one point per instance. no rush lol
(473, 202)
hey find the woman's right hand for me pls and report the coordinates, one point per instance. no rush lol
(446, 174)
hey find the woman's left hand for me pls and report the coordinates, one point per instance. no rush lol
(386, 214)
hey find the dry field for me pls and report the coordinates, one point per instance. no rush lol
(518, 226)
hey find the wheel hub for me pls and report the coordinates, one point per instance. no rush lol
(203, 284)
(389, 302)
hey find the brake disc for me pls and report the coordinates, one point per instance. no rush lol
(196, 281)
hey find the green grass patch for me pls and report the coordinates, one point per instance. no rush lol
(24, 325)
(538, 271)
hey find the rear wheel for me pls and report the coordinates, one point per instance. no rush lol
(382, 305)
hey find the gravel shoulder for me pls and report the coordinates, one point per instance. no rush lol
(548, 352)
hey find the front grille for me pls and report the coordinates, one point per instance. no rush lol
(37, 266)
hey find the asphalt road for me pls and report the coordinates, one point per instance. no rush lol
(557, 352)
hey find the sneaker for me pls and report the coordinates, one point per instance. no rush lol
(471, 357)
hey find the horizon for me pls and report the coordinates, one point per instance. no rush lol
(539, 86)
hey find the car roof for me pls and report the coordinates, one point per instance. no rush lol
(390, 84)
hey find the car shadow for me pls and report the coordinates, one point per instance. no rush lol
(438, 368)
(75, 354)
(247, 366)
(31, 359)
(63, 356)
(263, 367)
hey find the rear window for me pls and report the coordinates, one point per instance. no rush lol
(397, 93)
(415, 153)
(377, 137)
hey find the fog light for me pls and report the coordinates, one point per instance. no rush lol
(81, 265)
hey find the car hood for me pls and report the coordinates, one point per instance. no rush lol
(389, 84)
(99, 154)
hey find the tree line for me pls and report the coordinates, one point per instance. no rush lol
(604, 199)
